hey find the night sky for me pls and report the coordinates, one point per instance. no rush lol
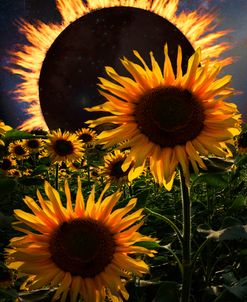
(232, 14)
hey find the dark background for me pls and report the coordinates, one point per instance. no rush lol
(232, 14)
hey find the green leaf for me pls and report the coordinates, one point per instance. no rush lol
(9, 292)
(209, 293)
(39, 170)
(217, 164)
(217, 180)
(31, 181)
(226, 296)
(7, 185)
(230, 221)
(239, 202)
(232, 233)
(168, 292)
(45, 161)
(17, 134)
(148, 245)
(239, 289)
(36, 295)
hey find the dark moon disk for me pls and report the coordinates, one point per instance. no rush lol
(70, 71)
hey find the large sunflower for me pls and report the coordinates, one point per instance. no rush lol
(64, 147)
(168, 117)
(82, 250)
(112, 167)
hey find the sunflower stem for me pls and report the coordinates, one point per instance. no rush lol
(168, 221)
(88, 169)
(56, 176)
(186, 263)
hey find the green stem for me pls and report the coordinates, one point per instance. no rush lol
(88, 169)
(187, 268)
(168, 221)
(56, 176)
(198, 252)
(130, 190)
(174, 255)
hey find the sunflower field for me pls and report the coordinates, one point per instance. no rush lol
(74, 226)
(147, 200)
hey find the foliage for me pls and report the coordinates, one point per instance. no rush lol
(219, 228)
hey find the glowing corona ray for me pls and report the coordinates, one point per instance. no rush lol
(27, 61)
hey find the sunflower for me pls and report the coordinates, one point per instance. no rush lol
(83, 250)
(14, 172)
(18, 150)
(112, 167)
(168, 117)
(87, 136)
(241, 143)
(7, 163)
(77, 166)
(64, 147)
(95, 173)
(3, 129)
(34, 144)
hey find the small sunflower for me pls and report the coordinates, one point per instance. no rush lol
(82, 250)
(18, 150)
(7, 163)
(34, 144)
(77, 166)
(241, 143)
(170, 118)
(64, 147)
(14, 172)
(63, 174)
(95, 173)
(3, 129)
(27, 172)
(112, 167)
(87, 136)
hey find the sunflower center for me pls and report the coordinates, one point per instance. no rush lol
(169, 116)
(116, 170)
(19, 150)
(63, 147)
(33, 144)
(85, 137)
(83, 247)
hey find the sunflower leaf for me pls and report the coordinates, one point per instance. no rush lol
(148, 244)
(168, 291)
(36, 295)
(39, 170)
(235, 232)
(217, 180)
(30, 181)
(17, 134)
(7, 185)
